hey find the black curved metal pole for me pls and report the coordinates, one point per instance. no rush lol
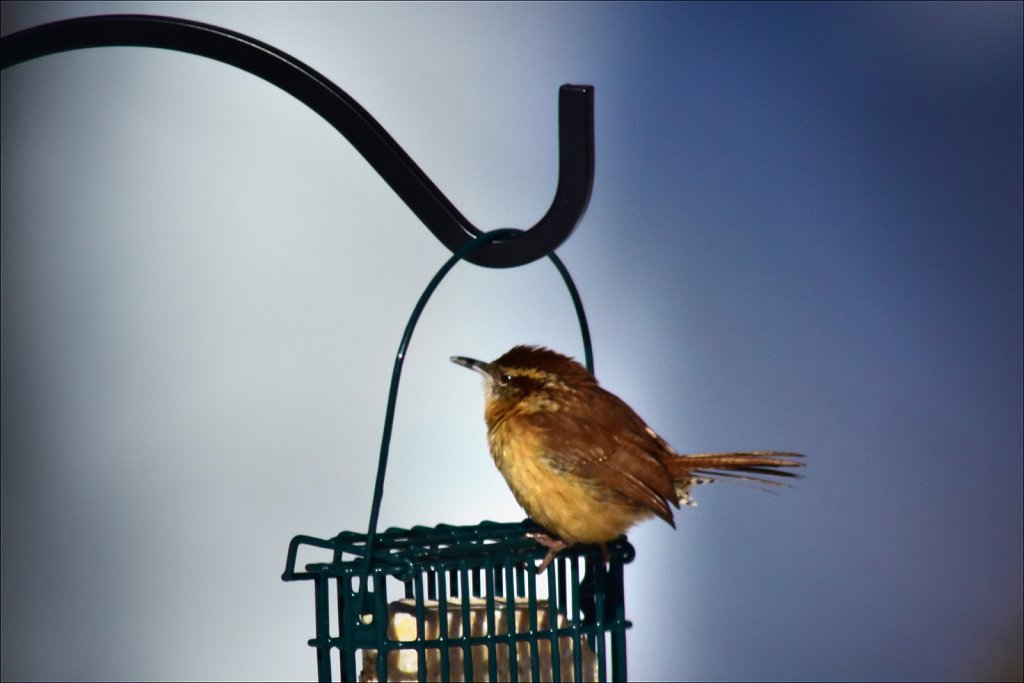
(575, 122)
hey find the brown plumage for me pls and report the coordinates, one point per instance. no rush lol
(578, 459)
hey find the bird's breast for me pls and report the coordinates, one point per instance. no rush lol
(576, 509)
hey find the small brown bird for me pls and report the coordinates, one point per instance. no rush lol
(582, 464)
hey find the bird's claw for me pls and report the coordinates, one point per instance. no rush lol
(554, 546)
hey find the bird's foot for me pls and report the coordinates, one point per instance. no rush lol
(554, 546)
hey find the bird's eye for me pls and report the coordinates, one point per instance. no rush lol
(504, 380)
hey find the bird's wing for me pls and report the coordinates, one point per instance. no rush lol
(609, 446)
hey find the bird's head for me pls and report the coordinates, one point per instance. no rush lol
(527, 378)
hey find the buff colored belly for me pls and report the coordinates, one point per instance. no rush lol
(574, 509)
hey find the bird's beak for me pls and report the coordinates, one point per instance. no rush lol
(473, 364)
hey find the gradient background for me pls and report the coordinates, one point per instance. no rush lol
(805, 234)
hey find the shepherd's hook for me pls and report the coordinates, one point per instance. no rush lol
(575, 122)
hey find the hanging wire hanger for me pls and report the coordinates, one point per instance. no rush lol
(421, 195)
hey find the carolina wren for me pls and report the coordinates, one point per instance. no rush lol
(581, 463)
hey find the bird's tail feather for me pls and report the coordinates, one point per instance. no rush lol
(702, 468)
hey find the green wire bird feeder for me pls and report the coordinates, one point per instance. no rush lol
(440, 603)
(465, 603)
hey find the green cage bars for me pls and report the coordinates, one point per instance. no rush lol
(464, 603)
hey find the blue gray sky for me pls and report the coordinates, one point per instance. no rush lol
(805, 234)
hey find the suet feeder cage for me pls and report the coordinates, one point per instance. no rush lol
(427, 603)
(464, 603)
